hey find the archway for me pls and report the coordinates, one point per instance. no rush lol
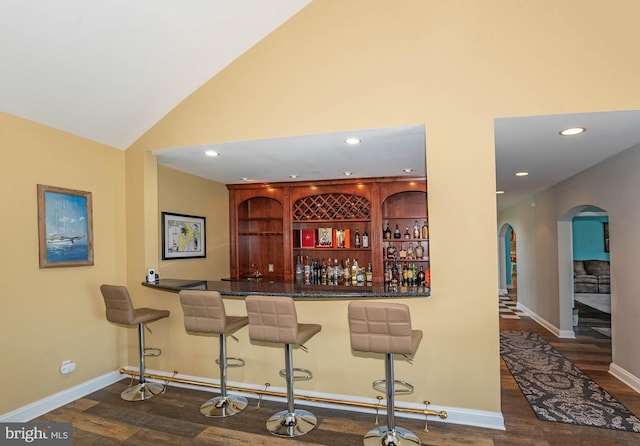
(572, 278)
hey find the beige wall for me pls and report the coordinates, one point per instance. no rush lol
(359, 64)
(53, 314)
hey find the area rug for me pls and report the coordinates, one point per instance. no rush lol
(556, 389)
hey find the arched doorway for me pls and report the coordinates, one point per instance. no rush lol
(507, 255)
(584, 276)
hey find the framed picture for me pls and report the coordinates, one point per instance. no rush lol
(183, 236)
(325, 237)
(65, 227)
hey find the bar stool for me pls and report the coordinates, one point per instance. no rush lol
(120, 311)
(274, 319)
(379, 327)
(204, 312)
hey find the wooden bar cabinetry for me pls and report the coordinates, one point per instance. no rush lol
(268, 222)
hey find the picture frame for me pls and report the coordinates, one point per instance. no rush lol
(183, 236)
(65, 227)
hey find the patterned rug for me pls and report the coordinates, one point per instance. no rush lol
(556, 389)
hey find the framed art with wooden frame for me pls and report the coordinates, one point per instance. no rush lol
(65, 227)
(183, 236)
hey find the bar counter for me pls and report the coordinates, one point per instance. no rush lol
(265, 287)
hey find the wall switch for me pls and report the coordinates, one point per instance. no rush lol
(270, 267)
(67, 366)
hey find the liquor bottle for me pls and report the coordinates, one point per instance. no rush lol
(407, 235)
(425, 230)
(369, 273)
(391, 251)
(354, 271)
(346, 271)
(387, 273)
(386, 234)
(421, 276)
(416, 230)
(323, 273)
(402, 253)
(419, 251)
(410, 253)
(329, 272)
(356, 243)
(299, 271)
(396, 233)
(307, 271)
(405, 275)
(427, 278)
(395, 273)
(337, 272)
(365, 239)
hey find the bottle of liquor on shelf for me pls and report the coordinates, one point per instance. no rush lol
(307, 271)
(391, 251)
(425, 230)
(395, 273)
(407, 235)
(356, 242)
(365, 239)
(354, 271)
(402, 254)
(427, 278)
(338, 272)
(421, 276)
(299, 271)
(386, 234)
(323, 273)
(387, 272)
(416, 230)
(329, 271)
(410, 253)
(419, 251)
(346, 271)
(405, 275)
(396, 233)
(369, 273)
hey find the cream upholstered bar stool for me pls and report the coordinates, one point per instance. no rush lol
(274, 319)
(204, 312)
(380, 327)
(119, 310)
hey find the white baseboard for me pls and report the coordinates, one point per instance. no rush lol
(467, 417)
(38, 408)
(567, 334)
(624, 376)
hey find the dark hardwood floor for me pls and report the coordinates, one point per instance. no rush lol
(102, 418)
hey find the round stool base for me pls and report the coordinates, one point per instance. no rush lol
(142, 391)
(382, 436)
(286, 424)
(222, 406)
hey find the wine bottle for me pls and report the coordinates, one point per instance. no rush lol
(421, 276)
(365, 239)
(357, 239)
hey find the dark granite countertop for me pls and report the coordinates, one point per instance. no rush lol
(265, 287)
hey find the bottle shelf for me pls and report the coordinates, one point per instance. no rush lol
(405, 260)
(261, 233)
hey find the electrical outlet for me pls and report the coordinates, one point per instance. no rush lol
(270, 267)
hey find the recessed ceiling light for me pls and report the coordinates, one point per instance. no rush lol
(407, 170)
(572, 131)
(211, 153)
(352, 141)
(346, 174)
(521, 174)
(244, 179)
(498, 192)
(293, 177)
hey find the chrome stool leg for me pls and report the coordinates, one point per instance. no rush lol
(143, 390)
(291, 422)
(390, 435)
(223, 405)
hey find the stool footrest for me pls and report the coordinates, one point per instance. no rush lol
(152, 351)
(232, 362)
(304, 374)
(381, 386)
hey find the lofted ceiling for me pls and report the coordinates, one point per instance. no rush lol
(109, 70)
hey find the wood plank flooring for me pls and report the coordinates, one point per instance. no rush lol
(102, 418)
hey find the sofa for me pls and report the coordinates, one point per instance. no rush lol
(591, 276)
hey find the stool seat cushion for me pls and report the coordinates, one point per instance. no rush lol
(204, 312)
(119, 308)
(380, 327)
(274, 319)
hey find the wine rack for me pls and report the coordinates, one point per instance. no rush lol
(334, 206)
